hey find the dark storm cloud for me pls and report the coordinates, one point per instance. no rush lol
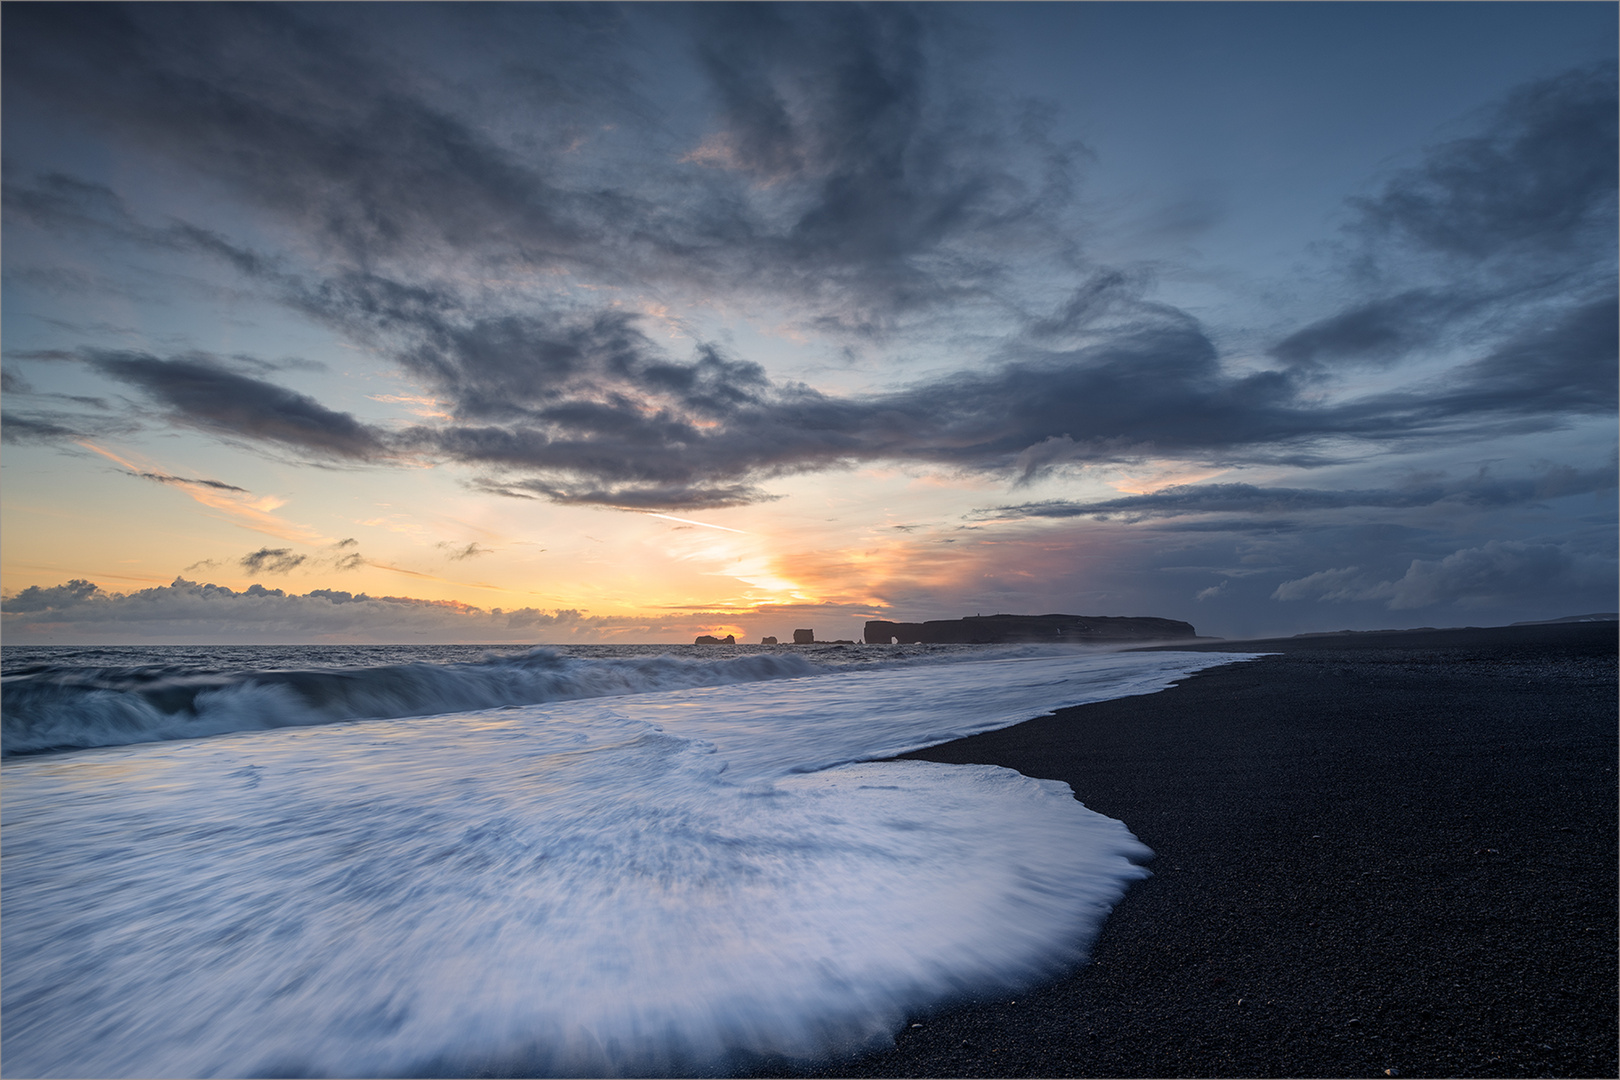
(1480, 491)
(201, 392)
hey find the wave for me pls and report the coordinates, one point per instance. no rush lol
(48, 707)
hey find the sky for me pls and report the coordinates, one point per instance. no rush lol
(596, 323)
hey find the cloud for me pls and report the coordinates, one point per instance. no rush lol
(590, 411)
(234, 502)
(271, 561)
(877, 176)
(1379, 331)
(201, 392)
(54, 597)
(457, 553)
(844, 170)
(1539, 180)
(850, 174)
(345, 148)
(165, 478)
(1481, 490)
(1566, 364)
(23, 428)
(1496, 572)
(188, 611)
(1509, 229)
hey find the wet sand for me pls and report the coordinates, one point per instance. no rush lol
(1375, 852)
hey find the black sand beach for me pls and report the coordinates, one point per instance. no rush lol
(1382, 853)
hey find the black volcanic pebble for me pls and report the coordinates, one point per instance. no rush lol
(1377, 854)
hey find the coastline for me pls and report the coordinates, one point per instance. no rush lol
(1383, 853)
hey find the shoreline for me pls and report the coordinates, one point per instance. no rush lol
(1381, 853)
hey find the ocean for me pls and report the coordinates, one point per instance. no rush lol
(454, 860)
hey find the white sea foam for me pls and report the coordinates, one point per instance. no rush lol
(645, 884)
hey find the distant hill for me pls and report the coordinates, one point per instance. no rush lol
(1607, 616)
(1008, 629)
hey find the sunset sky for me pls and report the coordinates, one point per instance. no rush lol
(513, 323)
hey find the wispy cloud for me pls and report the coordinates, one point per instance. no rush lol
(460, 553)
(236, 504)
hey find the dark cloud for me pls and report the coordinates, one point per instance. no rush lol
(888, 178)
(1540, 180)
(35, 598)
(288, 109)
(201, 392)
(631, 497)
(165, 478)
(1502, 232)
(1379, 331)
(271, 561)
(1493, 573)
(1567, 364)
(591, 411)
(844, 172)
(851, 172)
(60, 200)
(19, 428)
(1482, 490)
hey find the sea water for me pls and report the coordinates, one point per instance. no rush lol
(568, 861)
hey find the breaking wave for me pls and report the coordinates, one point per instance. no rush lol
(50, 707)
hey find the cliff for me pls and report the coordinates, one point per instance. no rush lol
(1002, 629)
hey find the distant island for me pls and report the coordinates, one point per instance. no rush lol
(1005, 629)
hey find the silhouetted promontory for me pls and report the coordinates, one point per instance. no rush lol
(1004, 629)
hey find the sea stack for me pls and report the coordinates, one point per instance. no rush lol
(1005, 629)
